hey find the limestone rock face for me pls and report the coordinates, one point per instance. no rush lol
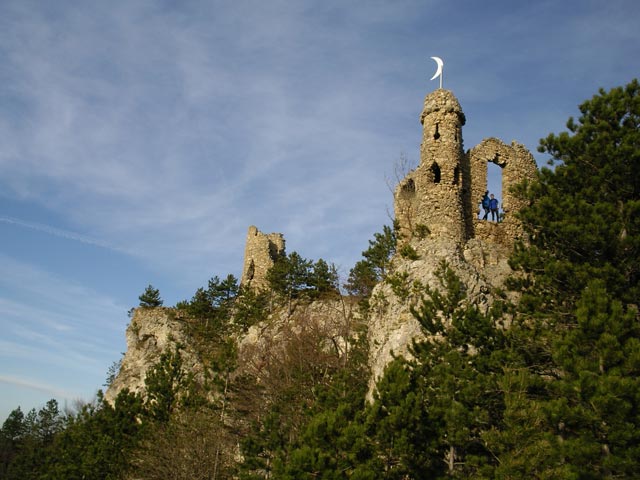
(479, 264)
(152, 332)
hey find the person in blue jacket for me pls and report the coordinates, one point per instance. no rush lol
(493, 206)
(485, 205)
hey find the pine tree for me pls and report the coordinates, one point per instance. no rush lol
(579, 283)
(150, 297)
(584, 216)
(165, 385)
(431, 412)
(324, 279)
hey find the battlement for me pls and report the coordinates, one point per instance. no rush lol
(261, 252)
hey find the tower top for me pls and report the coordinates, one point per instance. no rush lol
(444, 101)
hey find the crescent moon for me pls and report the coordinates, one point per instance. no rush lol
(438, 73)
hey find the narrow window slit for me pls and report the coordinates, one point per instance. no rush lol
(435, 170)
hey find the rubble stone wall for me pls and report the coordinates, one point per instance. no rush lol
(261, 252)
(444, 191)
(431, 196)
(517, 164)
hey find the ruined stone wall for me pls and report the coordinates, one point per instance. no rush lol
(261, 252)
(517, 164)
(444, 191)
(445, 200)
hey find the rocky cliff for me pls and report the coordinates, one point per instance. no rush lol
(151, 332)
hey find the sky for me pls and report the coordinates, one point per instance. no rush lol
(139, 139)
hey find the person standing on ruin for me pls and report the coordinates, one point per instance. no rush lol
(485, 204)
(493, 206)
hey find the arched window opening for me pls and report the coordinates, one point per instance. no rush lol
(435, 170)
(494, 184)
(436, 135)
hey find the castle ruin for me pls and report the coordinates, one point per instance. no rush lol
(436, 210)
(440, 198)
(442, 194)
(260, 253)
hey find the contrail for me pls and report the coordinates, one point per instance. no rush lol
(39, 227)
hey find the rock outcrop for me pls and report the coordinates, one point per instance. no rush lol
(152, 332)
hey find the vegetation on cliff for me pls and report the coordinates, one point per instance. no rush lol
(546, 388)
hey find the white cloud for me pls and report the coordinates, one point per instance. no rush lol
(50, 320)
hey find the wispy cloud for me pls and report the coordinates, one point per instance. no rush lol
(130, 163)
(59, 336)
(54, 321)
(57, 232)
(172, 128)
(38, 386)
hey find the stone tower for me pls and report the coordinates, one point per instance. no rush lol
(260, 253)
(441, 196)
(431, 197)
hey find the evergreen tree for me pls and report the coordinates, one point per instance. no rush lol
(291, 277)
(432, 413)
(210, 310)
(584, 215)
(324, 279)
(381, 250)
(362, 279)
(33, 437)
(595, 402)
(165, 385)
(150, 297)
(12, 435)
(369, 271)
(579, 284)
(333, 443)
(98, 441)
(434, 425)
(250, 307)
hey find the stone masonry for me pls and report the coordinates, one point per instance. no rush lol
(261, 252)
(443, 192)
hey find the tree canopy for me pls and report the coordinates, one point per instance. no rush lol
(584, 215)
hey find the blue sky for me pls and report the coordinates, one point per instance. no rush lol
(140, 139)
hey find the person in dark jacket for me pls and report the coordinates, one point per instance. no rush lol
(485, 205)
(493, 206)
